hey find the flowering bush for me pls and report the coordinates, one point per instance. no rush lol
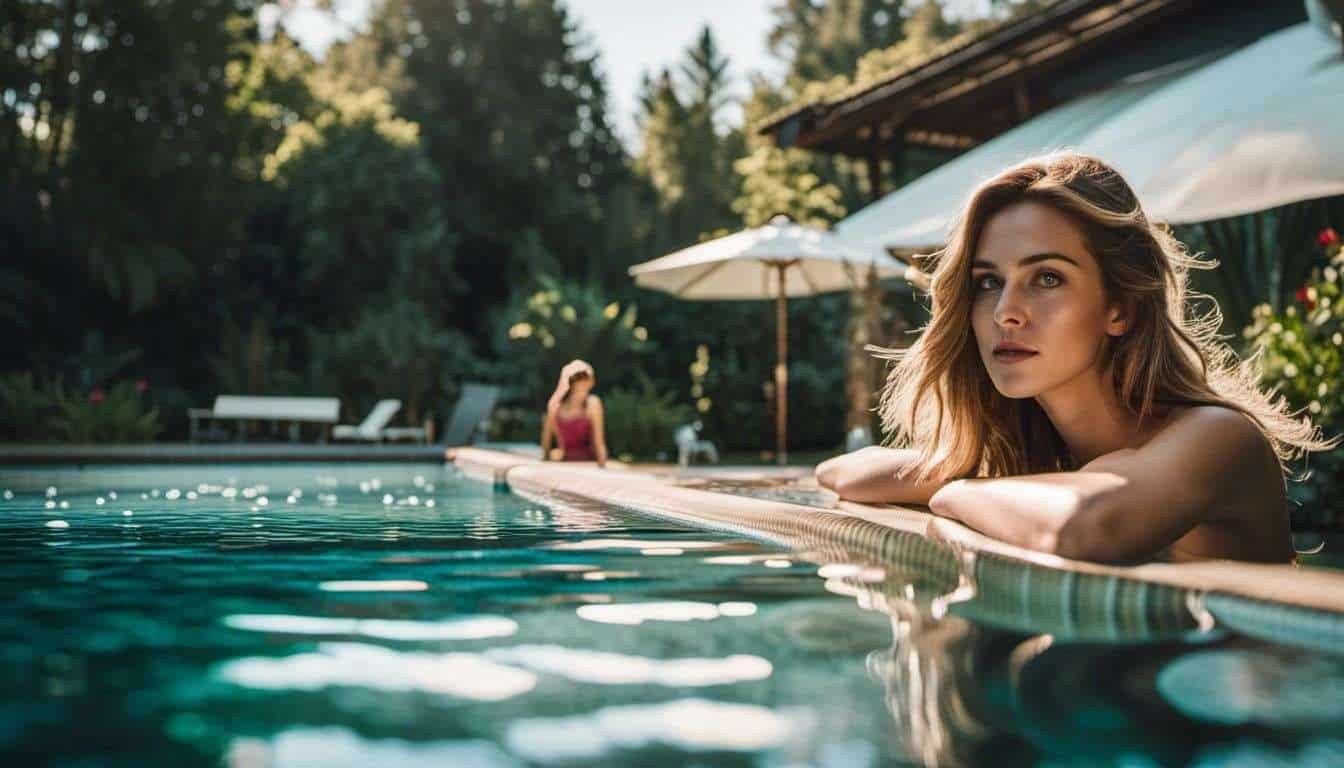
(564, 320)
(1302, 358)
(46, 411)
(115, 415)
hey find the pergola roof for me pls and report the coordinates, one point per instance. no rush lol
(973, 87)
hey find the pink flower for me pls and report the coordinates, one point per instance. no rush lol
(1327, 237)
(141, 386)
(96, 396)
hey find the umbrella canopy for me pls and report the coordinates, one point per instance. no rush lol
(919, 214)
(776, 261)
(745, 265)
(1257, 128)
(1260, 128)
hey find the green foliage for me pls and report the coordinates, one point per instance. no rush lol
(178, 182)
(513, 115)
(517, 424)
(563, 320)
(925, 30)
(739, 338)
(268, 90)
(95, 364)
(821, 40)
(253, 362)
(363, 202)
(688, 154)
(24, 408)
(117, 415)
(776, 181)
(391, 350)
(34, 412)
(1301, 352)
(1263, 257)
(642, 425)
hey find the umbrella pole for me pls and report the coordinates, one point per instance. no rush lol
(781, 372)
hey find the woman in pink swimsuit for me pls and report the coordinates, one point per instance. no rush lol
(574, 417)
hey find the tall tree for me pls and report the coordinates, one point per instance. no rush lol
(117, 153)
(514, 118)
(687, 150)
(822, 39)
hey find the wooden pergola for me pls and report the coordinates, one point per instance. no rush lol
(976, 87)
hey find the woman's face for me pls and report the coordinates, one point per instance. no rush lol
(580, 386)
(1039, 311)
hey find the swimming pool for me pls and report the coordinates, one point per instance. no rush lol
(331, 615)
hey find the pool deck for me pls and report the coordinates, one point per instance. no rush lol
(1279, 595)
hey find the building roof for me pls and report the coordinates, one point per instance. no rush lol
(972, 87)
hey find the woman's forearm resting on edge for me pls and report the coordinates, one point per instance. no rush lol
(1078, 515)
(874, 475)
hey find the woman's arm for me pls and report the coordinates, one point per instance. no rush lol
(547, 432)
(874, 475)
(599, 421)
(1129, 504)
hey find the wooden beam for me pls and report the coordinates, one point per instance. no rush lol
(876, 188)
(1020, 50)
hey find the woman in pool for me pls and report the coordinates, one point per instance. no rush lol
(1064, 398)
(574, 417)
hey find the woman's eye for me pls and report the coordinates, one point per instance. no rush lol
(986, 283)
(1050, 280)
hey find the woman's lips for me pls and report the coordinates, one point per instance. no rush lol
(1013, 355)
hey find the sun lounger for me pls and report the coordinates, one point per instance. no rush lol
(474, 406)
(373, 427)
(315, 410)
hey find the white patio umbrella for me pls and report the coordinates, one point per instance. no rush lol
(776, 261)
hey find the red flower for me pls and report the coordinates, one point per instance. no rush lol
(96, 396)
(141, 386)
(1304, 298)
(1328, 237)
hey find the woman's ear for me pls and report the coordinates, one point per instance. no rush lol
(1118, 318)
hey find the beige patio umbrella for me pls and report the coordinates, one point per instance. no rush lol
(776, 261)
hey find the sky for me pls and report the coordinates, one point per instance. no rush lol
(631, 36)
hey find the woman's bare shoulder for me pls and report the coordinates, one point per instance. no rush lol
(1231, 429)
(1218, 448)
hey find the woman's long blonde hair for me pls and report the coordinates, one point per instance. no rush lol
(939, 398)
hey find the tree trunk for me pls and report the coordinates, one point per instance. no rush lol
(60, 88)
(861, 369)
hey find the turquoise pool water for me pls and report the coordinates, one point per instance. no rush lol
(366, 615)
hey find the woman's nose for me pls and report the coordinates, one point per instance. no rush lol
(1009, 310)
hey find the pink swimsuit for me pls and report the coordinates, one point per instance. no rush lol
(576, 437)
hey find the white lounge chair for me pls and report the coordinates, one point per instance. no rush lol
(373, 428)
(319, 410)
(689, 445)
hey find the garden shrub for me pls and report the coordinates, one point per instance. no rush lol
(1300, 349)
